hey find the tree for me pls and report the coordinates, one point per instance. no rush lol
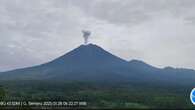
(2, 93)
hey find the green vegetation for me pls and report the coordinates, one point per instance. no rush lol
(2, 93)
(101, 95)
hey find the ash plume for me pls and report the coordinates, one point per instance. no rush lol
(86, 35)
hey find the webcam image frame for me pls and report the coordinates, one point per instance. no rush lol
(97, 54)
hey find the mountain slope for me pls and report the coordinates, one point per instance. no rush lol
(87, 62)
(164, 76)
(92, 63)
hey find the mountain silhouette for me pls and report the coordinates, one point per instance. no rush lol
(92, 63)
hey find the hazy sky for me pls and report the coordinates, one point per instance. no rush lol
(159, 32)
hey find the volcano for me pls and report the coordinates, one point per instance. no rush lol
(86, 62)
(93, 63)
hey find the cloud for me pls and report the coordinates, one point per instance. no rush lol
(35, 32)
(158, 32)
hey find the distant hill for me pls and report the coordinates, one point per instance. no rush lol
(92, 63)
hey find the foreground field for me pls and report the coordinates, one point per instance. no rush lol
(100, 95)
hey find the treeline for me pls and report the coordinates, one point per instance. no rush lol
(107, 95)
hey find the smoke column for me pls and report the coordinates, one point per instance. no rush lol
(86, 35)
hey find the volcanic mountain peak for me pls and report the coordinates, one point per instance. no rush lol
(91, 62)
(85, 54)
(87, 49)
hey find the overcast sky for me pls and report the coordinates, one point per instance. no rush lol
(159, 32)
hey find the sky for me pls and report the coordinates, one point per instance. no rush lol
(158, 32)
